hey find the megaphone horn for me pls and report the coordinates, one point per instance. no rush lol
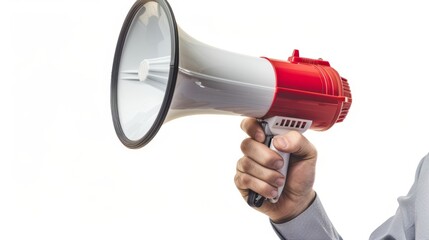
(161, 73)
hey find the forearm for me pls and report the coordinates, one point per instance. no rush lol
(313, 223)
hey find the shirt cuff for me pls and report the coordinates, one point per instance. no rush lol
(313, 223)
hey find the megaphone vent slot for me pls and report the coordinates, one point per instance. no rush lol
(348, 100)
(288, 123)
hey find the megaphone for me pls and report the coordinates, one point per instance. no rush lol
(161, 73)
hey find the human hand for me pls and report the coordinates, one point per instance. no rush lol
(258, 170)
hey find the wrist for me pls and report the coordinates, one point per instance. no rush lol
(300, 207)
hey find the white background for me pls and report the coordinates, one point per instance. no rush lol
(65, 175)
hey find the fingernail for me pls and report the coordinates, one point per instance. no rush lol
(278, 164)
(274, 193)
(280, 182)
(280, 142)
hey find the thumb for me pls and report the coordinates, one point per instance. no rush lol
(295, 143)
(280, 143)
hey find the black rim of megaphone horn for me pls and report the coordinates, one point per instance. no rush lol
(171, 79)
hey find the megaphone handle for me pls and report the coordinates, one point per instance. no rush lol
(273, 126)
(254, 199)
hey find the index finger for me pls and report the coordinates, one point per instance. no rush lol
(253, 128)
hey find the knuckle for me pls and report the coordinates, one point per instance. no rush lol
(241, 180)
(245, 145)
(295, 139)
(297, 142)
(246, 164)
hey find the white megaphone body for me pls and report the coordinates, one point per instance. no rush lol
(160, 73)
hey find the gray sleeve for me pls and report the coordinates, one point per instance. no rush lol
(313, 223)
(411, 220)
